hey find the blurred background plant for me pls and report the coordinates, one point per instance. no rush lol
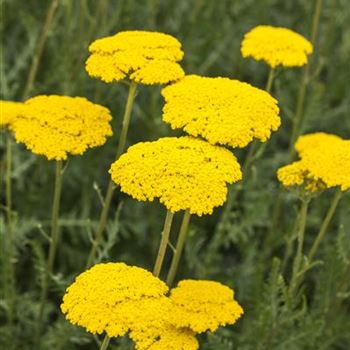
(211, 33)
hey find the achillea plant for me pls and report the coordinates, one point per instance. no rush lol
(185, 174)
(117, 299)
(324, 164)
(138, 57)
(57, 127)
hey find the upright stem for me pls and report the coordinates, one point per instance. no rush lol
(10, 240)
(40, 48)
(298, 118)
(179, 248)
(163, 243)
(105, 342)
(299, 254)
(325, 224)
(109, 194)
(270, 80)
(53, 246)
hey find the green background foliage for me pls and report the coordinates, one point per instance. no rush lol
(211, 32)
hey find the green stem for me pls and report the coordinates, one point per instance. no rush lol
(299, 254)
(179, 248)
(109, 194)
(10, 244)
(105, 342)
(53, 246)
(270, 80)
(298, 117)
(325, 224)
(40, 48)
(163, 243)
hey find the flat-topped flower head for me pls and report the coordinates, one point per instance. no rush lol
(203, 305)
(9, 111)
(325, 163)
(276, 46)
(56, 126)
(184, 173)
(221, 110)
(110, 297)
(141, 56)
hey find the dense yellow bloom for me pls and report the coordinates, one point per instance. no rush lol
(8, 112)
(221, 110)
(106, 298)
(55, 126)
(144, 57)
(203, 305)
(184, 173)
(276, 46)
(325, 163)
(152, 329)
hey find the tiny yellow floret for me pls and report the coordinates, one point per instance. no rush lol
(221, 110)
(184, 173)
(9, 111)
(55, 126)
(203, 305)
(276, 46)
(143, 57)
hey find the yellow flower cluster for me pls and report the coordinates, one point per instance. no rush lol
(184, 173)
(276, 46)
(119, 299)
(8, 112)
(106, 297)
(54, 126)
(325, 163)
(203, 305)
(145, 57)
(221, 110)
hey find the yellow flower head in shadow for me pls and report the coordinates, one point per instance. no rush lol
(144, 57)
(203, 305)
(297, 174)
(9, 111)
(221, 110)
(324, 163)
(55, 126)
(184, 173)
(276, 46)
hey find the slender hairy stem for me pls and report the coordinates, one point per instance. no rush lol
(40, 48)
(105, 342)
(163, 243)
(299, 253)
(109, 194)
(53, 247)
(10, 285)
(325, 224)
(179, 248)
(298, 117)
